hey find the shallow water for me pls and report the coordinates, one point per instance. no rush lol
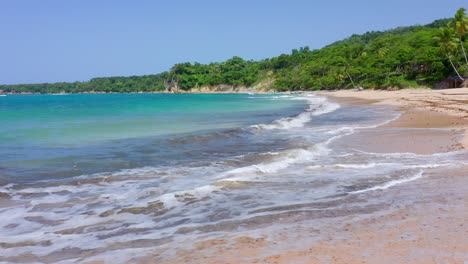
(47, 136)
(280, 160)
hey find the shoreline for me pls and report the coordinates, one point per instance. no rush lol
(431, 228)
(215, 92)
(424, 221)
(421, 220)
(424, 108)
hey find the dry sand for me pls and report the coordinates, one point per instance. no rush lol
(432, 228)
(421, 108)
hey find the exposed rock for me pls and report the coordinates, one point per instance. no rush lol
(224, 88)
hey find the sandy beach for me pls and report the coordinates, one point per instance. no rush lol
(421, 108)
(234, 132)
(422, 221)
(343, 177)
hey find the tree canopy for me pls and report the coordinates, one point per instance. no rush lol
(401, 57)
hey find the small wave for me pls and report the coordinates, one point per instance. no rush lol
(353, 128)
(2, 95)
(271, 97)
(412, 155)
(345, 166)
(430, 166)
(357, 166)
(372, 165)
(390, 183)
(171, 200)
(317, 106)
(283, 161)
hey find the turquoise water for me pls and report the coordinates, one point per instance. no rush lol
(113, 178)
(89, 118)
(53, 136)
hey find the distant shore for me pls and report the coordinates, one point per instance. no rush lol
(164, 92)
(389, 96)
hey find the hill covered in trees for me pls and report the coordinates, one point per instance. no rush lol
(402, 57)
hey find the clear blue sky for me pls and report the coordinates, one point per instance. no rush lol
(61, 40)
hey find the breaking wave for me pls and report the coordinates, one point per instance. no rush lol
(317, 106)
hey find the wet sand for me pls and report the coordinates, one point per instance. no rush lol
(421, 221)
(430, 229)
(421, 108)
(417, 130)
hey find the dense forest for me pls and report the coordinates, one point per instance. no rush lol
(402, 57)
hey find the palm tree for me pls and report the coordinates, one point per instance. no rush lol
(354, 52)
(448, 44)
(460, 25)
(346, 70)
(382, 52)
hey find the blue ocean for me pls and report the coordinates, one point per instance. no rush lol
(114, 177)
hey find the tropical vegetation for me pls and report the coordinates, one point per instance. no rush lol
(403, 57)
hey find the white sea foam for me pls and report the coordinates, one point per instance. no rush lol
(92, 214)
(413, 155)
(170, 199)
(275, 97)
(394, 165)
(389, 165)
(283, 161)
(348, 129)
(391, 183)
(317, 106)
(358, 166)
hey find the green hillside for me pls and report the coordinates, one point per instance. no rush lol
(402, 57)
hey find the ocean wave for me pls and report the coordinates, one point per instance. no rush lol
(358, 166)
(280, 162)
(353, 128)
(391, 183)
(373, 165)
(96, 211)
(317, 106)
(414, 155)
(171, 200)
(275, 97)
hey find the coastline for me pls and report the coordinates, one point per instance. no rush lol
(166, 92)
(424, 221)
(431, 228)
(421, 220)
(439, 118)
(420, 108)
(446, 100)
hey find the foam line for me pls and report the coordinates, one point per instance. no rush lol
(390, 183)
(317, 106)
